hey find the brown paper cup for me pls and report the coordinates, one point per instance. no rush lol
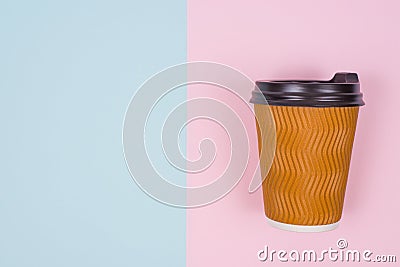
(305, 186)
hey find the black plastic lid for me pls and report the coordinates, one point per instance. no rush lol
(343, 90)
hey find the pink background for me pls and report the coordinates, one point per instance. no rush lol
(307, 40)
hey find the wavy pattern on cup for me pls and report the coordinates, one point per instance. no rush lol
(306, 182)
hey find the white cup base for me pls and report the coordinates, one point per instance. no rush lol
(303, 228)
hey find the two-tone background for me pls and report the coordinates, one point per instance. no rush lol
(68, 70)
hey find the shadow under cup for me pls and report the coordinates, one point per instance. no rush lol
(315, 123)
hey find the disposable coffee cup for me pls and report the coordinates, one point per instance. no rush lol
(315, 123)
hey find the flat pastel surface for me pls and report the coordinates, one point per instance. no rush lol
(304, 40)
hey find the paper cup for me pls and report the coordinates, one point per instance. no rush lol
(315, 124)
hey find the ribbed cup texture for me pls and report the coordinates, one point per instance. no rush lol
(307, 180)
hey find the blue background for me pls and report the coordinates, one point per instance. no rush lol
(68, 70)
